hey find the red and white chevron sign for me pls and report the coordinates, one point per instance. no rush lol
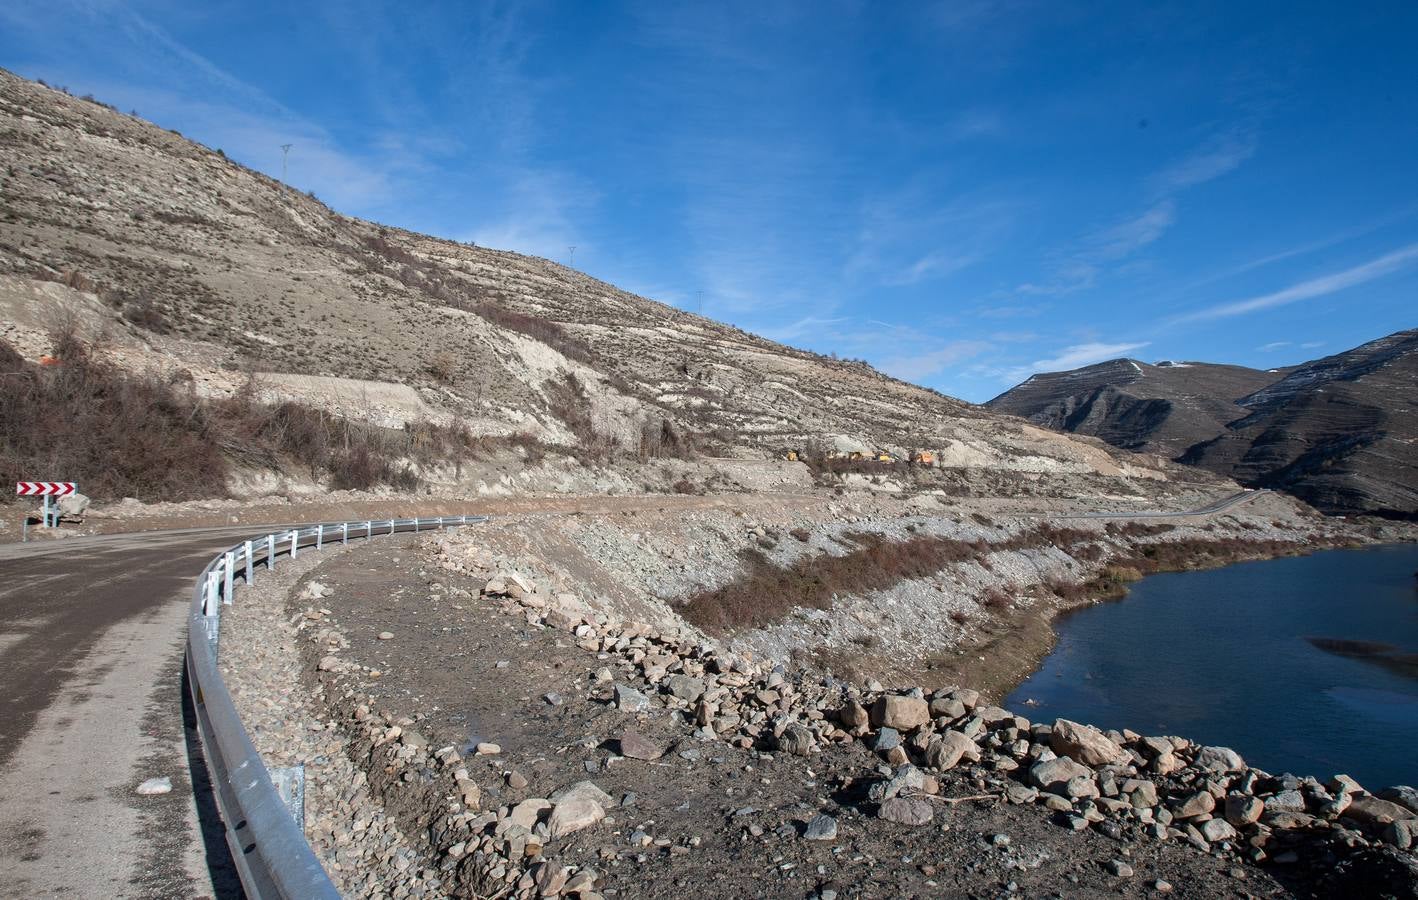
(45, 488)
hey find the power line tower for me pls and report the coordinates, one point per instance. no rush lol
(285, 155)
(699, 298)
(572, 260)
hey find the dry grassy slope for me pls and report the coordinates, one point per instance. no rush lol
(252, 274)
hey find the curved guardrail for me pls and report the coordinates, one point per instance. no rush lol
(268, 845)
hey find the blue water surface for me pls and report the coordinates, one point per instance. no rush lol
(1222, 657)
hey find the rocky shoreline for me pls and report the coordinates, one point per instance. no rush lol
(922, 749)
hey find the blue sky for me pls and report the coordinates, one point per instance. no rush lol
(960, 193)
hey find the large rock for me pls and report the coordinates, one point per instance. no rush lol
(946, 751)
(1403, 795)
(686, 688)
(1193, 805)
(629, 699)
(73, 506)
(635, 745)
(901, 713)
(1053, 775)
(821, 827)
(907, 811)
(1243, 809)
(572, 815)
(796, 740)
(1219, 759)
(1083, 743)
(1373, 811)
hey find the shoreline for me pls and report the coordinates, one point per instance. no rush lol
(999, 666)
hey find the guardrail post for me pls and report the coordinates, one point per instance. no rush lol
(391, 526)
(369, 529)
(210, 604)
(416, 524)
(249, 553)
(229, 566)
(289, 782)
(270, 551)
(319, 536)
(294, 541)
(344, 532)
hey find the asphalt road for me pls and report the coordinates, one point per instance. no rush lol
(91, 643)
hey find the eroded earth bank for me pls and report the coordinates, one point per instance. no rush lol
(759, 698)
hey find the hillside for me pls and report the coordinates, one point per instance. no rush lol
(1340, 433)
(193, 266)
(1163, 408)
(1337, 432)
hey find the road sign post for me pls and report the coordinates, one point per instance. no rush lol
(48, 490)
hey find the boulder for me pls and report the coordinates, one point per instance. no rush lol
(1083, 743)
(1193, 805)
(686, 688)
(573, 814)
(821, 827)
(1374, 811)
(907, 811)
(1403, 795)
(73, 507)
(946, 751)
(853, 715)
(1219, 759)
(528, 811)
(635, 745)
(886, 739)
(581, 790)
(796, 740)
(628, 698)
(1243, 809)
(901, 713)
(1217, 830)
(1053, 775)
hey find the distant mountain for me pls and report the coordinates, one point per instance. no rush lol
(1340, 432)
(1162, 409)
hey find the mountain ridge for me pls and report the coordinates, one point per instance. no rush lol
(1338, 432)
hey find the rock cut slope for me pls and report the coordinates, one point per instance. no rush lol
(193, 265)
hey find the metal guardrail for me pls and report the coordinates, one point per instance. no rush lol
(268, 845)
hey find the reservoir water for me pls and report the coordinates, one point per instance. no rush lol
(1306, 665)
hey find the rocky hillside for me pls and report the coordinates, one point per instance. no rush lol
(192, 265)
(1338, 432)
(1163, 408)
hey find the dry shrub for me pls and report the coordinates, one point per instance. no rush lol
(767, 593)
(117, 435)
(124, 435)
(664, 440)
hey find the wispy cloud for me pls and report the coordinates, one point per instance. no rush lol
(1275, 345)
(539, 220)
(919, 367)
(1315, 287)
(1109, 248)
(1221, 155)
(1126, 238)
(1070, 357)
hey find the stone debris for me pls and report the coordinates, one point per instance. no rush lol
(1125, 786)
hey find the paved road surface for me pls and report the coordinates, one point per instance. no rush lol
(91, 634)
